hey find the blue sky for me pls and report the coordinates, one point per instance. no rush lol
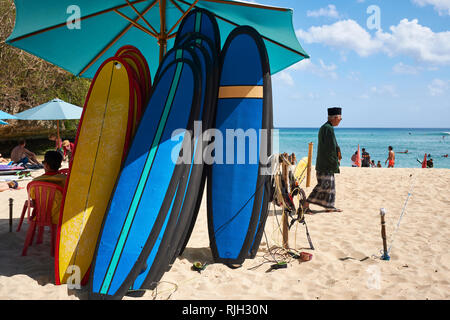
(397, 76)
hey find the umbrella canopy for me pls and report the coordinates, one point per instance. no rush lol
(78, 35)
(3, 122)
(4, 115)
(52, 110)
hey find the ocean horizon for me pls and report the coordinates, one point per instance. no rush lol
(417, 141)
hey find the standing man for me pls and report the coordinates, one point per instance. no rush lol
(365, 158)
(391, 158)
(327, 164)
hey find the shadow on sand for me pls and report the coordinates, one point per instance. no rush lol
(38, 264)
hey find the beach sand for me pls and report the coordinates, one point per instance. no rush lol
(419, 266)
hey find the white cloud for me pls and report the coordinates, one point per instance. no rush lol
(354, 75)
(322, 70)
(441, 6)
(344, 34)
(385, 90)
(285, 78)
(412, 39)
(401, 68)
(438, 87)
(330, 12)
(407, 38)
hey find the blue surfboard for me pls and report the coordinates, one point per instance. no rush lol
(202, 22)
(146, 189)
(238, 182)
(212, 89)
(200, 27)
(188, 187)
(172, 55)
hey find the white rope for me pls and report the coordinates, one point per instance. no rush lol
(410, 193)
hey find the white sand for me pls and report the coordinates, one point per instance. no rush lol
(419, 266)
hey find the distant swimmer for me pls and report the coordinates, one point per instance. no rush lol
(406, 151)
(445, 156)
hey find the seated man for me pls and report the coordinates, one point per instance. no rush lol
(22, 155)
(52, 163)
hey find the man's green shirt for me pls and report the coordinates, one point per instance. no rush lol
(327, 151)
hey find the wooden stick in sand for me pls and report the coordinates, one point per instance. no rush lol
(284, 218)
(10, 214)
(383, 235)
(308, 171)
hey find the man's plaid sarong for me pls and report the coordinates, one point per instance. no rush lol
(324, 194)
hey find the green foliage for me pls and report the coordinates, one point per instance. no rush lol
(27, 81)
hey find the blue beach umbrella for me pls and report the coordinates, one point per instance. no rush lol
(78, 35)
(4, 115)
(56, 109)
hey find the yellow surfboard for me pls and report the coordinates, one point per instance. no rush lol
(102, 139)
(300, 170)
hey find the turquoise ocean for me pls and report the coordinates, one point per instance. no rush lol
(376, 141)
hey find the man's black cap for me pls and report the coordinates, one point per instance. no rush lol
(334, 111)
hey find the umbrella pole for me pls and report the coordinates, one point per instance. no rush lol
(162, 39)
(57, 130)
(162, 48)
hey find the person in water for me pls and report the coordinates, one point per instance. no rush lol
(379, 165)
(365, 159)
(327, 165)
(391, 158)
(354, 159)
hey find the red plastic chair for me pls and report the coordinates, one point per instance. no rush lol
(64, 171)
(30, 204)
(26, 206)
(42, 214)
